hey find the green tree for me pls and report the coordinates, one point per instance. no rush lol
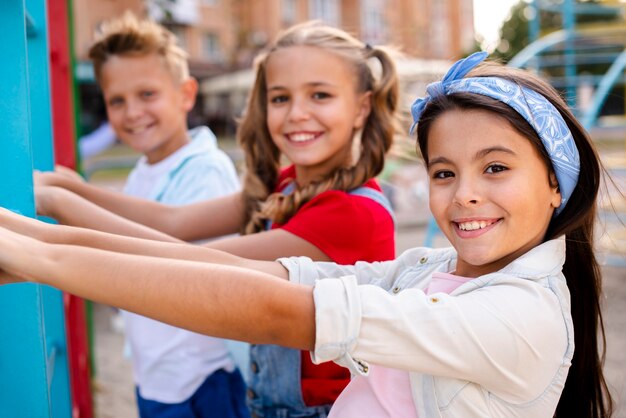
(513, 33)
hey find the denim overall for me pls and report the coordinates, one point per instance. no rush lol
(274, 387)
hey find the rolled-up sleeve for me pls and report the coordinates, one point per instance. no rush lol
(301, 269)
(337, 322)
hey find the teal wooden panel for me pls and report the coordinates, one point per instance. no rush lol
(39, 86)
(24, 388)
(41, 135)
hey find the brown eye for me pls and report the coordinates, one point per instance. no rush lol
(443, 174)
(321, 95)
(115, 101)
(495, 168)
(279, 99)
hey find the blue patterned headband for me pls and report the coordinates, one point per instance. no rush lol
(542, 116)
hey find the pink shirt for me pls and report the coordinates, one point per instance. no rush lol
(386, 392)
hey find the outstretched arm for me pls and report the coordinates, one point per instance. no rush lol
(206, 219)
(263, 246)
(223, 301)
(67, 235)
(71, 209)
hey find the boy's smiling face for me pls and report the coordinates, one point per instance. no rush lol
(146, 107)
(489, 189)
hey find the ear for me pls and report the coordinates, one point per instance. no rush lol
(189, 91)
(555, 200)
(364, 104)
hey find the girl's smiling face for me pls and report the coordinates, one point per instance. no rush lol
(490, 189)
(313, 108)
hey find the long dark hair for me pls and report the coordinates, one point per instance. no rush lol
(585, 393)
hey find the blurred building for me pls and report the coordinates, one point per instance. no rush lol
(223, 36)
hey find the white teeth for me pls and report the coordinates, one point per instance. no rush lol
(472, 226)
(301, 137)
(135, 131)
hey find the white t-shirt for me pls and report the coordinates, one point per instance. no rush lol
(170, 363)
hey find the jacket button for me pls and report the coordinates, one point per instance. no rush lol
(254, 367)
(395, 289)
(363, 366)
(423, 260)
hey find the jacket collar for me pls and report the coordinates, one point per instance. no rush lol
(546, 259)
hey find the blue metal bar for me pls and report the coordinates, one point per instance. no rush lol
(590, 47)
(23, 372)
(533, 51)
(604, 88)
(537, 47)
(557, 59)
(561, 82)
(534, 23)
(569, 21)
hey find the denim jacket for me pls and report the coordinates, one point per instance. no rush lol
(499, 345)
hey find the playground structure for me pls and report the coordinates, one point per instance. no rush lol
(44, 364)
(581, 57)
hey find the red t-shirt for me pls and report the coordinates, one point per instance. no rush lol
(347, 228)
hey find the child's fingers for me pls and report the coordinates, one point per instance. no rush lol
(54, 178)
(68, 173)
(40, 178)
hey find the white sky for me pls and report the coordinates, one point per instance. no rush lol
(488, 17)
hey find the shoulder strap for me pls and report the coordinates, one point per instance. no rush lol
(362, 191)
(377, 197)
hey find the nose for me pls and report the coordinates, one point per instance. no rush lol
(133, 109)
(299, 110)
(467, 192)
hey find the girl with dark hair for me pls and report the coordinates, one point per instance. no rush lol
(504, 324)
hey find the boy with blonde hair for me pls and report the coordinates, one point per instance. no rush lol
(148, 92)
